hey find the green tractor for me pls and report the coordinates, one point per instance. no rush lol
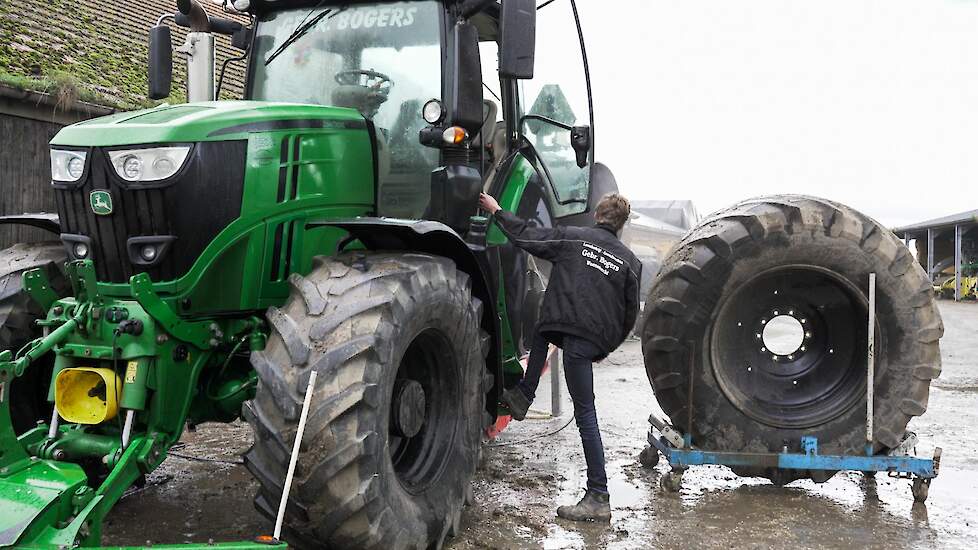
(209, 256)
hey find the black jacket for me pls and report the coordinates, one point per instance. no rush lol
(593, 287)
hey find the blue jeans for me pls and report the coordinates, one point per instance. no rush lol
(578, 354)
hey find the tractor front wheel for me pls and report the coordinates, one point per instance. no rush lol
(393, 432)
(18, 313)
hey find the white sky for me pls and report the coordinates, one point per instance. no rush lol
(871, 103)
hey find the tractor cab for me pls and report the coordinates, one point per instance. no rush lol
(450, 91)
(383, 60)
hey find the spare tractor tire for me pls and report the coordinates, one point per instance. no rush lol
(18, 313)
(395, 423)
(799, 265)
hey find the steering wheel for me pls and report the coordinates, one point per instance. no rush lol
(362, 89)
(374, 81)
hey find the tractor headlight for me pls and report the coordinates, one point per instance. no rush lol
(155, 164)
(76, 167)
(67, 166)
(433, 112)
(132, 168)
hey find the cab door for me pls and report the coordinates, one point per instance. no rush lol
(541, 155)
(513, 180)
(556, 117)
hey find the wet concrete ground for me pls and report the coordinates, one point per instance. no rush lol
(522, 482)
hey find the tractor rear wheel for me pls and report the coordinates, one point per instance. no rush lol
(394, 428)
(29, 393)
(761, 312)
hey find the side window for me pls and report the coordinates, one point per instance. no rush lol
(493, 133)
(558, 92)
(489, 54)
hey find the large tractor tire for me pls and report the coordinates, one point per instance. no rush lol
(394, 429)
(18, 312)
(799, 266)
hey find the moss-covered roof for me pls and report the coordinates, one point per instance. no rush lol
(95, 50)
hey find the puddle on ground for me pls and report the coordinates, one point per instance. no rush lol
(518, 488)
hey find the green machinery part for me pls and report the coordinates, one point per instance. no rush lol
(45, 498)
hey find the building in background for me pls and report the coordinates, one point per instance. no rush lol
(947, 248)
(655, 226)
(679, 214)
(63, 61)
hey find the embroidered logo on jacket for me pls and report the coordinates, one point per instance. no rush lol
(601, 259)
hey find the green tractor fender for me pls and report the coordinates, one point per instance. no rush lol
(436, 238)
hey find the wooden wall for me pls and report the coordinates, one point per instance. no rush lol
(25, 175)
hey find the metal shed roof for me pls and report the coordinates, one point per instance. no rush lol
(645, 222)
(968, 217)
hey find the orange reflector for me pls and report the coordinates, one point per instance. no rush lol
(454, 135)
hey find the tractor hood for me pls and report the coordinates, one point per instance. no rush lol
(209, 121)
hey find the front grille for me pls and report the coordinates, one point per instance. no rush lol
(193, 207)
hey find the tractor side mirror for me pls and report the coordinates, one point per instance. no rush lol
(580, 140)
(160, 62)
(465, 99)
(517, 39)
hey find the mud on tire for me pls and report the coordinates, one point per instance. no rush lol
(380, 329)
(17, 315)
(809, 259)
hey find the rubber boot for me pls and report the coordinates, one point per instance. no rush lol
(517, 402)
(593, 507)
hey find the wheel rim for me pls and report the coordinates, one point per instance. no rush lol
(786, 380)
(425, 411)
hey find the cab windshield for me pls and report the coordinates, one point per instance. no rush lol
(382, 59)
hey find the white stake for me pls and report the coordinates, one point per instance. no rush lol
(295, 456)
(870, 360)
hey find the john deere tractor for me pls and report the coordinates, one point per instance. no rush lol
(207, 257)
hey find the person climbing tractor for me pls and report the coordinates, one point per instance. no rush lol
(591, 303)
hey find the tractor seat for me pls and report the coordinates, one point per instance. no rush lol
(489, 113)
(497, 150)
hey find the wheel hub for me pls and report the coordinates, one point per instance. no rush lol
(783, 334)
(425, 411)
(785, 347)
(408, 408)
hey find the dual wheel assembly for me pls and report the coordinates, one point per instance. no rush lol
(756, 334)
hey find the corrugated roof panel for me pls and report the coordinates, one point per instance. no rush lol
(970, 216)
